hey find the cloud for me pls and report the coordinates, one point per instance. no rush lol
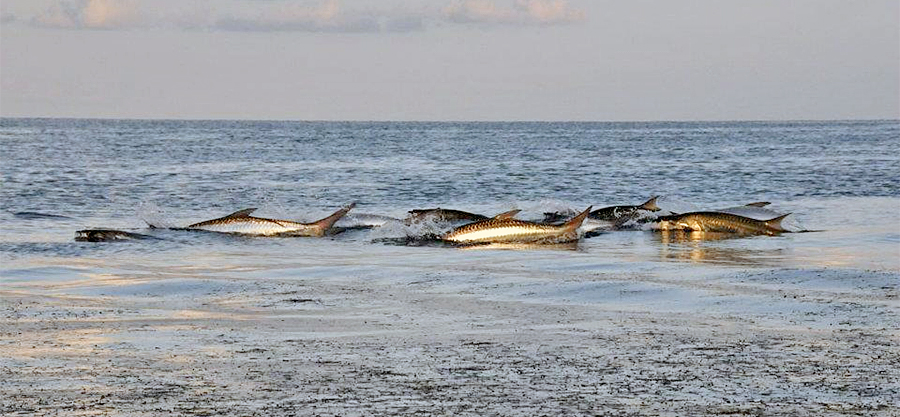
(327, 16)
(521, 12)
(476, 11)
(90, 14)
(109, 14)
(549, 11)
(59, 15)
(324, 17)
(299, 16)
(241, 16)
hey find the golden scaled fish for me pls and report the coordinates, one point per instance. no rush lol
(713, 221)
(504, 228)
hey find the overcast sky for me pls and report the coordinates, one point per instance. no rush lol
(451, 59)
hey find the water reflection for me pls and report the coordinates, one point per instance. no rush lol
(718, 248)
(435, 241)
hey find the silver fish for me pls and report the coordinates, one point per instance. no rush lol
(241, 222)
(712, 221)
(365, 220)
(505, 229)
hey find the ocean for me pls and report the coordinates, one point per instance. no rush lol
(839, 179)
(842, 178)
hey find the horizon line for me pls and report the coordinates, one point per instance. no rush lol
(164, 119)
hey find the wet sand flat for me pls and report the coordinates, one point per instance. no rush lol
(366, 347)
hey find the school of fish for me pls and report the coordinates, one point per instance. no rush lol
(466, 228)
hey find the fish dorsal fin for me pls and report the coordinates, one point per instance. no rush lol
(650, 205)
(775, 224)
(757, 204)
(506, 215)
(240, 213)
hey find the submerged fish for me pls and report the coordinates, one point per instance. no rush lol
(620, 214)
(712, 221)
(557, 217)
(108, 235)
(242, 222)
(364, 221)
(443, 215)
(757, 204)
(36, 215)
(614, 214)
(505, 229)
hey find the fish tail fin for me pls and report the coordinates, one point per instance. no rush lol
(775, 224)
(326, 223)
(650, 205)
(575, 223)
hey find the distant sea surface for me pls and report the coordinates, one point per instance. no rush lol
(840, 179)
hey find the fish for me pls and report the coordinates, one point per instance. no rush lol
(241, 222)
(507, 214)
(364, 221)
(108, 235)
(757, 204)
(620, 214)
(617, 215)
(31, 215)
(713, 221)
(506, 229)
(557, 217)
(757, 211)
(443, 215)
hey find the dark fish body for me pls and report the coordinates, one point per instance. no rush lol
(712, 221)
(443, 215)
(108, 235)
(505, 229)
(558, 217)
(240, 222)
(620, 214)
(36, 215)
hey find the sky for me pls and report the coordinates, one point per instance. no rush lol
(545, 60)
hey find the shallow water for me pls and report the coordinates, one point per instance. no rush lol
(841, 181)
(842, 178)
